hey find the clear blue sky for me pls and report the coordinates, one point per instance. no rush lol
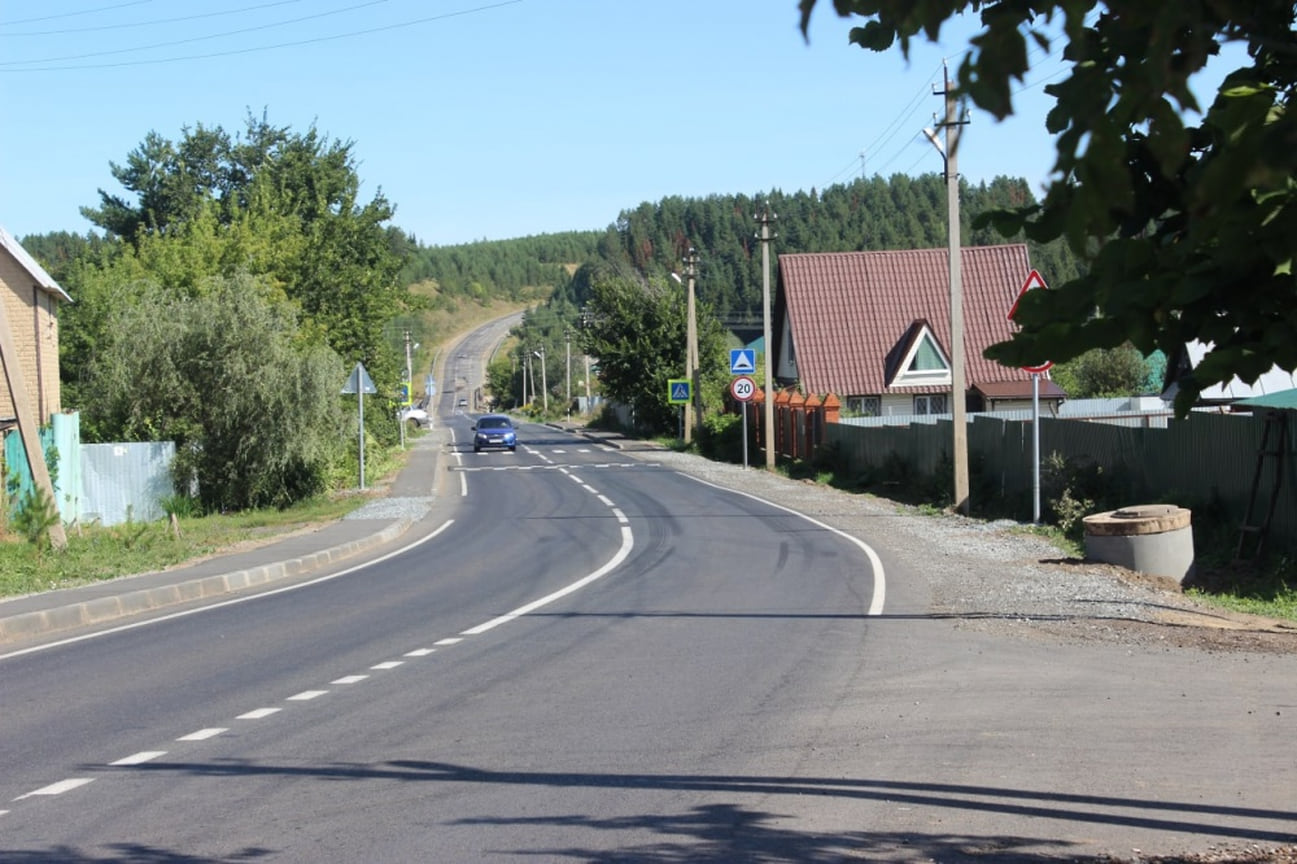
(483, 119)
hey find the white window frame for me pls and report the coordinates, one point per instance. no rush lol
(909, 377)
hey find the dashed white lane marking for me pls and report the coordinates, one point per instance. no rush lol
(349, 679)
(202, 734)
(388, 664)
(419, 652)
(139, 758)
(603, 499)
(258, 714)
(452, 640)
(58, 788)
(307, 695)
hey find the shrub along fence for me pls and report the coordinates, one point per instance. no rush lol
(1206, 462)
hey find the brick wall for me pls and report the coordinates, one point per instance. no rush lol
(33, 321)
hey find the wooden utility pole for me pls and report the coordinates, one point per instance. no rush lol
(28, 426)
(957, 385)
(691, 350)
(765, 218)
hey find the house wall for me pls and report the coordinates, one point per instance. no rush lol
(33, 320)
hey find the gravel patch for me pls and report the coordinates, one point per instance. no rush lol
(407, 509)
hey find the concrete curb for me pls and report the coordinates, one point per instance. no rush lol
(101, 609)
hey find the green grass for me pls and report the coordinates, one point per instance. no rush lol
(1270, 590)
(96, 553)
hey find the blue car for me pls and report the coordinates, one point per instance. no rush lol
(494, 430)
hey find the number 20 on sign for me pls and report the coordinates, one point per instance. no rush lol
(743, 388)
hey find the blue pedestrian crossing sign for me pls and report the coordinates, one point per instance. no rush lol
(743, 361)
(679, 390)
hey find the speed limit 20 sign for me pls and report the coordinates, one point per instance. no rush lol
(743, 388)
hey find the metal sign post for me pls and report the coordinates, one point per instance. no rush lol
(1034, 280)
(743, 389)
(1035, 448)
(359, 383)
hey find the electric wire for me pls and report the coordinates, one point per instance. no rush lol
(272, 47)
(149, 23)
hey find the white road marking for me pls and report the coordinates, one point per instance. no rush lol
(880, 580)
(388, 664)
(350, 679)
(258, 714)
(202, 734)
(272, 592)
(307, 695)
(627, 543)
(603, 499)
(58, 788)
(621, 517)
(139, 758)
(419, 652)
(452, 640)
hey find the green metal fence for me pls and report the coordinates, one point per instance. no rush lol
(1206, 461)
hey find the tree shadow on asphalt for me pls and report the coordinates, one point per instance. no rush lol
(728, 832)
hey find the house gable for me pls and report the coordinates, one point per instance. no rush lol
(918, 361)
(847, 312)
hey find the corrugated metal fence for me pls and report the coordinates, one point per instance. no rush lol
(1204, 458)
(105, 483)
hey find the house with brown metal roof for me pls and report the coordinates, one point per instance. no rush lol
(873, 328)
(29, 300)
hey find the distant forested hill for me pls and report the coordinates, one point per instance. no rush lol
(503, 269)
(897, 213)
(900, 213)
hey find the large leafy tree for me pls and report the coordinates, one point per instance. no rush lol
(636, 330)
(272, 202)
(252, 408)
(1184, 212)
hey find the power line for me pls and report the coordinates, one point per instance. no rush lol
(193, 39)
(73, 14)
(150, 23)
(272, 47)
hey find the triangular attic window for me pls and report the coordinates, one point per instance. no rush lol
(924, 363)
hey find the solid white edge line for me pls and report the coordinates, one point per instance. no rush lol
(627, 543)
(231, 602)
(880, 581)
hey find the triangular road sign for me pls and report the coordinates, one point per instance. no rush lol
(359, 381)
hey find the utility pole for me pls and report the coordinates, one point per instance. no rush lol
(544, 382)
(957, 386)
(567, 369)
(691, 349)
(768, 424)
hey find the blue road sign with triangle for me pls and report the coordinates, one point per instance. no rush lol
(678, 391)
(743, 361)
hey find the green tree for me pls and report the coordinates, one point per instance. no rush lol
(1186, 226)
(272, 202)
(636, 331)
(253, 409)
(1102, 373)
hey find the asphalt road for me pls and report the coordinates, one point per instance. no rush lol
(697, 634)
(586, 656)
